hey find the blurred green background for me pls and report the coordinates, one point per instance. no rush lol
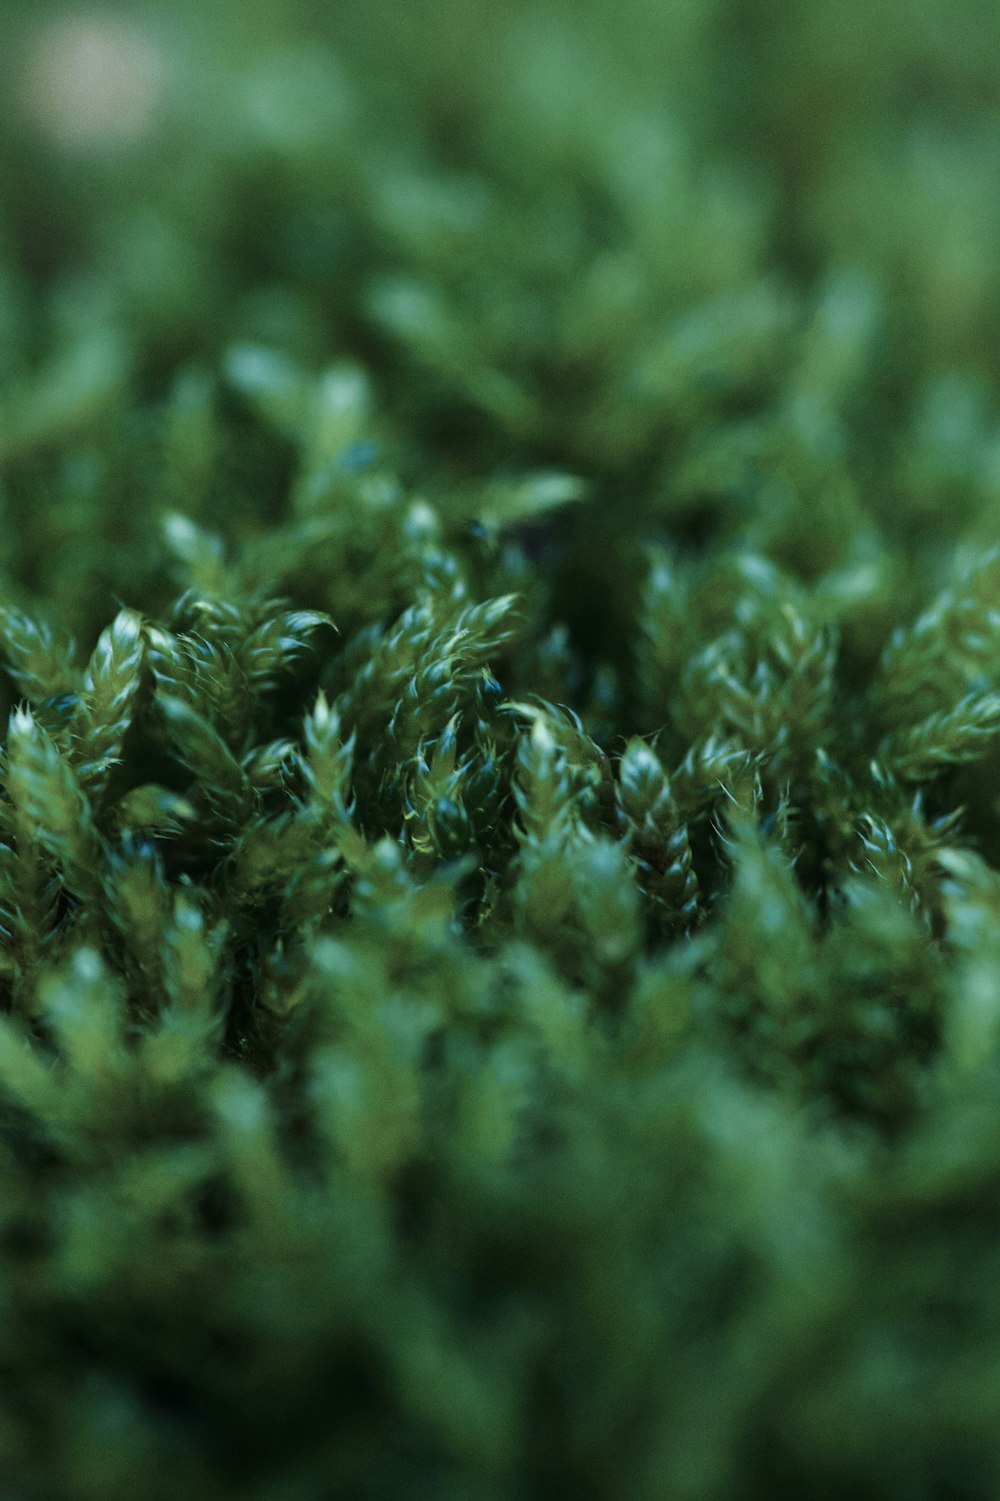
(867, 132)
(584, 235)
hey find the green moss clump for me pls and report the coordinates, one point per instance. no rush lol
(499, 828)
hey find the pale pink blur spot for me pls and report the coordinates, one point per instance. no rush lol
(93, 82)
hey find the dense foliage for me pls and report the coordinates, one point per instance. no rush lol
(500, 832)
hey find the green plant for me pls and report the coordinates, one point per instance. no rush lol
(499, 835)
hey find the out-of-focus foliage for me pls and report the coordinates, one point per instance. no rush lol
(500, 830)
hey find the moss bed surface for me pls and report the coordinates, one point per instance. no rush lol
(500, 801)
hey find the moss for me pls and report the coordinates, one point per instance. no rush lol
(499, 842)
